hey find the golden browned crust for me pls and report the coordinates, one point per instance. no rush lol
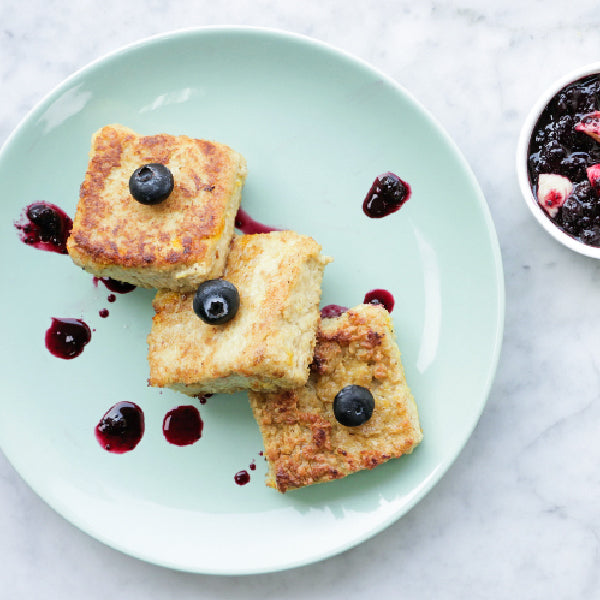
(268, 344)
(175, 244)
(304, 443)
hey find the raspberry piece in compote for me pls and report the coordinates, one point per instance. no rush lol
(593, 175)
(590, 124)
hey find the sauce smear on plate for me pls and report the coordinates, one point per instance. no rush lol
(66, 338)
(121, 428)
(45, 226)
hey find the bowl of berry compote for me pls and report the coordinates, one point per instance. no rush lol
(558, 160)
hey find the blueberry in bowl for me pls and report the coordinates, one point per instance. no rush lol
(558, 160)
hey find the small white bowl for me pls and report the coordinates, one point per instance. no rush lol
(523, 156)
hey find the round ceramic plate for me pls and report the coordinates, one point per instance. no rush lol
(316, 127)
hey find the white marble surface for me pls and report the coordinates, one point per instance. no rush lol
(517, 515)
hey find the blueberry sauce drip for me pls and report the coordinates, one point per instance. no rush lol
(242, 477)
(119, 287)
(45, 226)
(558, 146)
(253, 466)
(103, 313)
(183, 426)
(66, 338)
(203, 397)
(246, 224)
(332, 311)
(383, 297)
(111, 298)
(121, 428)
(388, 194)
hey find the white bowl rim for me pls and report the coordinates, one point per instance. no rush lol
(522, 160)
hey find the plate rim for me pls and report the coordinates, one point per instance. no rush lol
(492, 237)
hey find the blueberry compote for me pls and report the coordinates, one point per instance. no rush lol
(560, 146)
(46, 227)
(383, 297)
(387, 195)
(66, 338)
(121, 428)
(182, 426)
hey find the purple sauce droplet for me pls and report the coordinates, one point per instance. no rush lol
(121, 428)
(103, 313)
(387, 194)
(203, 397)
(332, 311)
(383, 297)
(119, 287)
(111, 298)
(242, 477)
(246, 224)
(183, 426)
(45, 226)
(66, 338)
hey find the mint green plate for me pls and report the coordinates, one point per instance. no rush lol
(316, 127)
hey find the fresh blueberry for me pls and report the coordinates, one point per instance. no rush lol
(353, 405)
(216, 301)
(151, 183)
